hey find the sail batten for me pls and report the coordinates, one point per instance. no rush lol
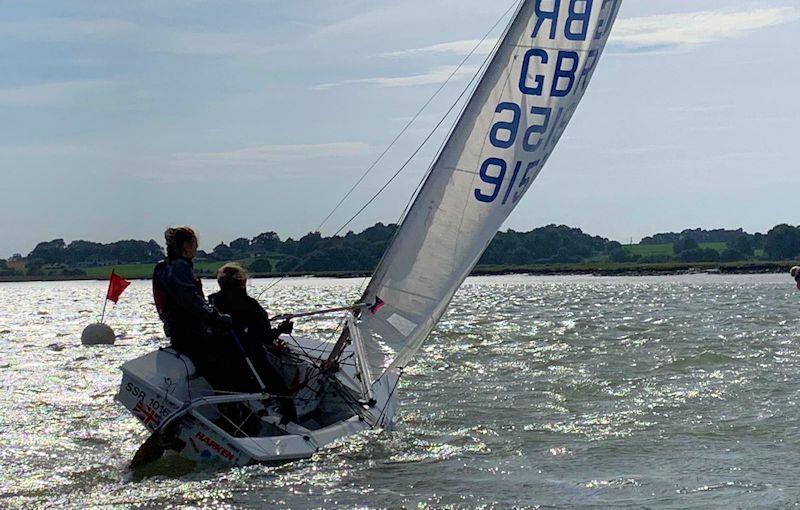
(507, 131)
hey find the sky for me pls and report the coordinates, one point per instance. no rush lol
(118, 119)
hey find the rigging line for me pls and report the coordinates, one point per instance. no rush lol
(297, 358)
(311, 359)
(322, 342)
(509, 73)
(421, 183)
(245, 435)
(408, 161)
(413, 119)
(433, 131)
(403, 214)
(389, 398)
(479, 73)
(352, 403)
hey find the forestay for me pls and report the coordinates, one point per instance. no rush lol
(507, 132)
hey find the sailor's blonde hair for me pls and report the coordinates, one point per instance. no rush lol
(795, 272)
(231, 275)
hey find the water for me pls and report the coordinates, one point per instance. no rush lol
(557, 392)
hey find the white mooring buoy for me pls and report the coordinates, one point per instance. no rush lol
(98, 334)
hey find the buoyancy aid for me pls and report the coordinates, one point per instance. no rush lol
(179, 299)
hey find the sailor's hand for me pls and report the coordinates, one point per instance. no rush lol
(286, 327)
(225, 320)
(276, 347)
(329, 367)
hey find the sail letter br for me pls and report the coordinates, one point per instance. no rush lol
(507, 132)
(571, 19)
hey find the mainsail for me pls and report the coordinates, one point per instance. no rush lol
(505, 135)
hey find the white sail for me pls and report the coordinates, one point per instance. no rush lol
(508, 130)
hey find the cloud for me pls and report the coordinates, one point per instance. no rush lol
(265, 154)
(449, 48)
(28, 151)
(671, 31)
(255, 163)
(67, 29)
(641, 150)
(649, 33)
(702, 108)
(52, 94)
(433, 77)
(212, 44)
(368, 21)
(175, 40)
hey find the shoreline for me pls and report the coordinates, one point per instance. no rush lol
(580, 269)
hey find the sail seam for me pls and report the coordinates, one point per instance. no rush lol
(420, 188)
(452, 219)
(579, 49)
(500, 90)
(401, 291)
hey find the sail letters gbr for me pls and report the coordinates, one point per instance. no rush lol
(551, 69)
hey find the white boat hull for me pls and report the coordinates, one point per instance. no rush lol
(163, 382)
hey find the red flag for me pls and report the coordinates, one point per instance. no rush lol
(116, 286)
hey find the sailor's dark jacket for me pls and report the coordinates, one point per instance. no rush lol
(179, 298)
(250, 320)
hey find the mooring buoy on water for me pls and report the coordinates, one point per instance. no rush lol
(101, 333)
(98, 334)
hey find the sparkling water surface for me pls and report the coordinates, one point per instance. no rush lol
(550, 392)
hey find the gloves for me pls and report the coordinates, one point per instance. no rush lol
(225, 320)
(286, 327)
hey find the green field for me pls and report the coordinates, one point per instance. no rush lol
(146, 270)
(666, 249)
(142, 270)
(598, 268)
(597, 264)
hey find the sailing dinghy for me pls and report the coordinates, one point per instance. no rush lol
(526, 96)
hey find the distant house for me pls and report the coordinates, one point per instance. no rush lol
(97, 262)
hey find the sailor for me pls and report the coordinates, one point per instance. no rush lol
(252, 325)
(795, 272)
(193, 326)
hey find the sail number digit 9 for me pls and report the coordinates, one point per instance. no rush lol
(495, 180)
(493, 172)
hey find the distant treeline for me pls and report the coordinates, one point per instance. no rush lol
(706, 236)
(70, 258)
(267, 252)
(781, 243)
(312, 252)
